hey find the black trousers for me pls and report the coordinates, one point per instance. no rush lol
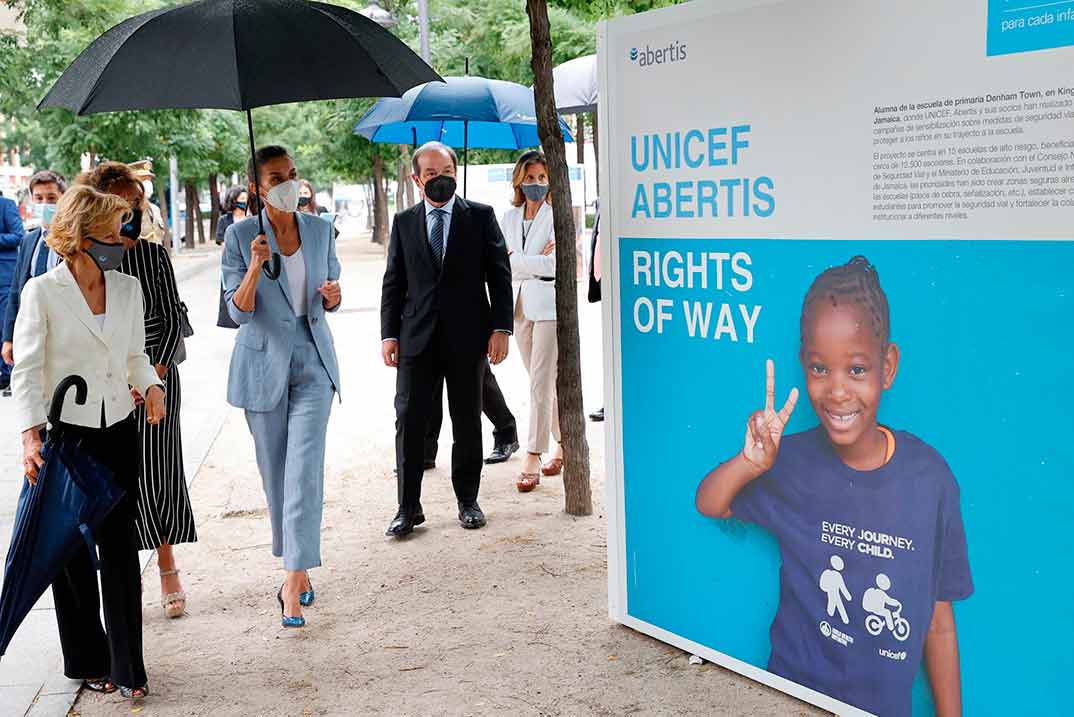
(505, 430)
(114, 651)
(416, 382)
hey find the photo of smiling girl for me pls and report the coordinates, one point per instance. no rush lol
(867, 517)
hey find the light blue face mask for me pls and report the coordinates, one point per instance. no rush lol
(45, 212)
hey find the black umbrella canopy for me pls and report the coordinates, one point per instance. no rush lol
(237, 54)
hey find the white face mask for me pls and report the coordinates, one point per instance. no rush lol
(284, 196)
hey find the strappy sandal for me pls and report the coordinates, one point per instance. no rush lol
(102, 686)
(174, 604)
(527, 482)
(553, 467)
(135, 694)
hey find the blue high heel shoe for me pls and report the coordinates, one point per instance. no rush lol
(289, 621)
(306, 598)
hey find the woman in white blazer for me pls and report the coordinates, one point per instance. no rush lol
(83, 318)
(528, 230)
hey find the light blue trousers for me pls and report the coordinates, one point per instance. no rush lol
(289, 441)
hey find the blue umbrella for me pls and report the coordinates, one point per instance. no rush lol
(460, 112)
(73, 495)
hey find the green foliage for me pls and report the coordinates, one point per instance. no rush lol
(492, 34)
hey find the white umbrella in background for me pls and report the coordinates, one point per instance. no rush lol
(576, 85)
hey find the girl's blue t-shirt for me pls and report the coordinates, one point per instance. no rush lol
(866, 555)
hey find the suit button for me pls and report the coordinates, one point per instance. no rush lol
(313, 320)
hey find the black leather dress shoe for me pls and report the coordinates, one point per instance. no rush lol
(502, 452)
(404, 522)
(597, 416)
(471, 517)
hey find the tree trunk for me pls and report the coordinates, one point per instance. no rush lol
(578, 498)
(579, 137)
(400, 188)
(596, 147)
(214, 203)
(160, 189)
(380, 203)
(410, 200)
(199, 218)
(369, 210)
(191, 203)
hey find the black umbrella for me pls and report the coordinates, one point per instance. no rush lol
(237, 55)
(73, 494)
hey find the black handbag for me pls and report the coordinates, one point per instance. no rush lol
(187, 331)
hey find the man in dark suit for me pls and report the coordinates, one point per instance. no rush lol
(10, 237)
(445, 310)
(33, 256)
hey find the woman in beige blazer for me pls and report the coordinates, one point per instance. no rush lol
(528, 231)
(83, 318)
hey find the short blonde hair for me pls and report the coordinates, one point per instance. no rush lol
(519, 176)
(83, 212)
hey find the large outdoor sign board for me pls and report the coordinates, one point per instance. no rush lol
(869, 205)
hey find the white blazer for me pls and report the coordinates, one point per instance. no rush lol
(528, 266)
(56, 336)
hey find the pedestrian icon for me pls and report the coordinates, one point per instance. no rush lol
(832, 583)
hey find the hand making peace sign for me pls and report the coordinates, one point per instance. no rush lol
(765, 428)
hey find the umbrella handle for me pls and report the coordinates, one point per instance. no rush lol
(56, 407)
(272, 272)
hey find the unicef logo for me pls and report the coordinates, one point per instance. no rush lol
(634, 54)
(825, 629)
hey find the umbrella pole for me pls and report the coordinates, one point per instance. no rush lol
(465, 153)
(272, 272)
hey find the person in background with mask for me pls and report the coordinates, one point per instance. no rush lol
(445, 311)
(164, 517)
(284, 371)
(85, 318)
(307, 199)
(232, 210)
(34, 257)
(154, 228)
(530, 235)
(11, 233)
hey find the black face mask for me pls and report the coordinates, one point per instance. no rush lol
(133, 229)
(303, 201)
(441, 188)
(107, 257)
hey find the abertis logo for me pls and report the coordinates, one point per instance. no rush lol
(646, 57)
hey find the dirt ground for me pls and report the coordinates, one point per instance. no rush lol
(511, 619)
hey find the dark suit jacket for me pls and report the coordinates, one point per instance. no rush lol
(23, 272)
(467, 301)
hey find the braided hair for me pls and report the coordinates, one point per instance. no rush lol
(856, 282)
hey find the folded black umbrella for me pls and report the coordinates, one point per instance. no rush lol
(73, 495)
(238, 54)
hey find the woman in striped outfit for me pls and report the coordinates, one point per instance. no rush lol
(164, 516)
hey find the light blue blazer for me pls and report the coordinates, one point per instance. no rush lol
(261, 362)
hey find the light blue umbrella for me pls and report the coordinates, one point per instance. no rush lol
(460, 112)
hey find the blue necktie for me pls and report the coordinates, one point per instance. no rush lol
(436, 237)
(42, 259)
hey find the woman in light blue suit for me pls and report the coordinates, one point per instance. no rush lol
(283, 370)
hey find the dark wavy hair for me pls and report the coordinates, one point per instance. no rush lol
(231, 197)
(856, 282)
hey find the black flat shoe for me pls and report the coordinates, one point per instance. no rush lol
(502, 452)
(597, 416)
(471, 517)
(404, 522)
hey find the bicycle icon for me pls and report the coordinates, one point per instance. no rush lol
(900, 628)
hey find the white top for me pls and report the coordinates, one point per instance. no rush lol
(526, 224)
(100, 320)
(295, 266)
(529, 266)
